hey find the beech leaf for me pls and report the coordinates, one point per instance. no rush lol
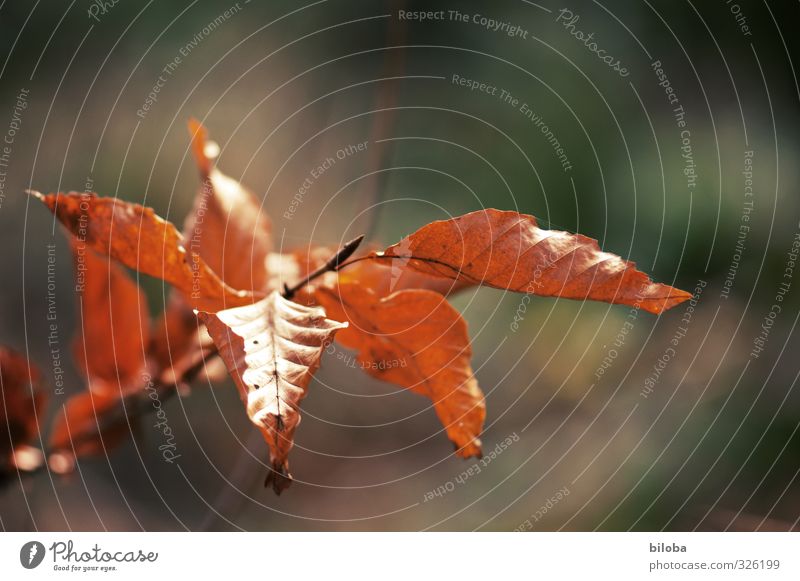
(21, 405)
(114, 326)
(395, 275)
(227, 228)
(507, 250)
(139, 239)
(89, 424)
(272, 349)
(178, 342)
(417, 340)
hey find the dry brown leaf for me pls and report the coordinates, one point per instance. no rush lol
(417, 340)
(227, 228)
(271, 349)
(139, 239)
(114, 323)
(117, 354)
(225, 222)
(402, 327)
(21, 404)
(176, 337)
(179, 342)
(110, 348)
(384, 279)
(89, 424)
(508, 250)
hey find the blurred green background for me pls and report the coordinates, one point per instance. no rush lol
(283, 85)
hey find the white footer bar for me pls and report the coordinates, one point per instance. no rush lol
(402, 556)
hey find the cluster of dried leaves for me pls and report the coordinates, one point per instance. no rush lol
(270, 315)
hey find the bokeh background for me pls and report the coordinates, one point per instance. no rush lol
(283, 85)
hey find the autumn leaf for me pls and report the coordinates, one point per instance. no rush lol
(21, 407)
(417, 340)
(271, 349)
(110, 347)
(227, 228)
(139, 239)
(225, 222)
(179, 342)
(395, 275)
(89, 424)
(114, 323)
(508, 250)
(402, 327)
(96, 421)
(117, 353)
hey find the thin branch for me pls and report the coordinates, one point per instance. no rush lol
(335, 263)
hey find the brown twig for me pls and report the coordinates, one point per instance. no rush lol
(333, 264)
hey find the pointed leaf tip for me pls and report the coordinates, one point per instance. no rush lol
(272, 349)
(415, 339)
(507, 250)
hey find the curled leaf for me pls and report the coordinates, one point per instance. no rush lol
(508, 250)
(21, 405)
(417, 340)
(386, 277)
(114, 325)
(272, 349)
(227, 228)
(179, 341)
(139, 239)
(89, 424)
